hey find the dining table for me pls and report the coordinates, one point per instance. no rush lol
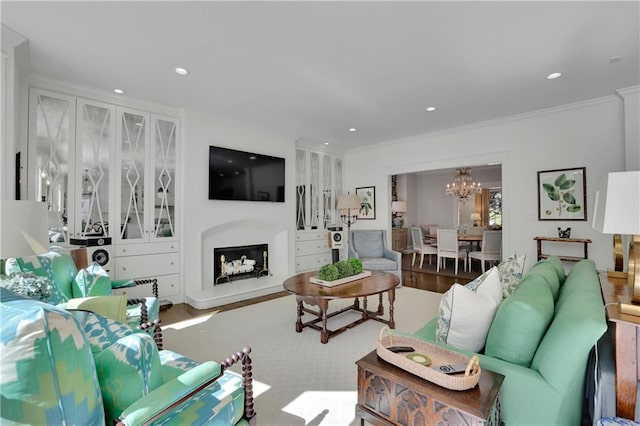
(474, 239)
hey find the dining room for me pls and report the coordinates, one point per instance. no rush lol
(467, 199)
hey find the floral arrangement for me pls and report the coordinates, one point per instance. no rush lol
(341, 269)
(29, 285)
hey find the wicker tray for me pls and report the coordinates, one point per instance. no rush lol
(438, 356)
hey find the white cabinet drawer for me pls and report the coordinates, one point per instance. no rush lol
(311, 235)
(168, 285)
(305, 263)
(141, 249)
(311, 247)
(141, 266)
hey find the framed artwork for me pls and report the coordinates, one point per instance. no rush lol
(367, 196)
(562, 194)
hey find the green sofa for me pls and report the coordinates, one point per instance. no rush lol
(540, 340)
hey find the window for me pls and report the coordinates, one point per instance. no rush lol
(495, 207)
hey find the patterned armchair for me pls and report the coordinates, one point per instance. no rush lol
(77, 367)
(69, 285)
(370, 246)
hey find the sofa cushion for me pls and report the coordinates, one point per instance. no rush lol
(47, 374)
(466, 312)
(521, 321)
(557, 266)
(547, 271)
(127, 370)
(511, 270)
(368, 244)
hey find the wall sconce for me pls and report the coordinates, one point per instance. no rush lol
(476, 218)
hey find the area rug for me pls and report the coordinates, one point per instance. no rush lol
(297, 379)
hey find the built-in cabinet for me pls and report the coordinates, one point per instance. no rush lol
(108, 170)
(319, 182)
(398, 239)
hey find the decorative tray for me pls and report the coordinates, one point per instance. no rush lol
(438, 356)
(363, 274)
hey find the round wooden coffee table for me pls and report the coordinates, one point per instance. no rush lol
(316, 294)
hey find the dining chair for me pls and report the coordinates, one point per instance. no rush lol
(419, 246)
(491, 250)
(448, 248)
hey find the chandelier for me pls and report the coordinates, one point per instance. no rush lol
(463, 186)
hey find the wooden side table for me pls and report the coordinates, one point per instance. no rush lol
(626, 346)
(389, 395)
(584, 241)
(398, 239)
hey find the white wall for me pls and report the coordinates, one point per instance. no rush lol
(200, 215)
(588, 134)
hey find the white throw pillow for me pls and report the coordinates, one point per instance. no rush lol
(466, 312)
(511, 270)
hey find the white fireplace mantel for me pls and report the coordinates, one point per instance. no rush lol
(239, 233)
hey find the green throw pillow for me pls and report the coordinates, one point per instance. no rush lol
(92, 281)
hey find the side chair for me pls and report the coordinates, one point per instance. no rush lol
(448, 248)
(491, 250)
(420, 247)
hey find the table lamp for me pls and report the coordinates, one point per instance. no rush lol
(23, 229)
(349, 207)
(397, 208)
(475, 218)
(617, 211)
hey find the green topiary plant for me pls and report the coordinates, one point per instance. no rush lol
(328, 272)
(344, 268)
(356, 265)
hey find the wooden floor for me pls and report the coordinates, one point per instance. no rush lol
(412, 276)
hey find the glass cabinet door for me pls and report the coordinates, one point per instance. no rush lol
(130, 204)
(164, 136)
(95, 144)
(51, 138)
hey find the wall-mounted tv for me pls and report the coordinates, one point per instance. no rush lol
(245, 176)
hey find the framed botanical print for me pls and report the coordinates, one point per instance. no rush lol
(367, 196)
(562, 194)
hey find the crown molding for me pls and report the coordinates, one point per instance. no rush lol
(488, 123)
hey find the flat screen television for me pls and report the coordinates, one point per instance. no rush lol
(245, 176)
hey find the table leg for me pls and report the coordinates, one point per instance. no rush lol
(324, 307)
(392, 298)
(299, 316)
(365, 313)
(380, 306)
(356, 303)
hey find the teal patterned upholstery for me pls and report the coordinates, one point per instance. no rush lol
(57, 265)
(47, 374)
(77, 367)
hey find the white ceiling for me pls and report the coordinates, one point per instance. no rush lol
(312, 70)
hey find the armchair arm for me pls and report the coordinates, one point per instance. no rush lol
(170, 395)
(144, 321)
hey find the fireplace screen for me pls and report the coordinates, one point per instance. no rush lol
(232, 263)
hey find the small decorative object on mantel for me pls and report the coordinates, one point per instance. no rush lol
(564, 233)
(341, 272)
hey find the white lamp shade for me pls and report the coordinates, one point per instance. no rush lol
(617, 204)
(23, 228)
(475, 216)
(349, 202)
(399, 206)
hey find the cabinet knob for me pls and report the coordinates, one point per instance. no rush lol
(124, 268)
(124, 250)
(171, 263)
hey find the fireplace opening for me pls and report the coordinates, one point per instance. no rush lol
(239, 262)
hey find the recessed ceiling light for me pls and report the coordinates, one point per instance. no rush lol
(353, 129)
(615, 59)
(554, 75)
(118, 91)
(326, 143)
(431, 108)
(181, 71)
